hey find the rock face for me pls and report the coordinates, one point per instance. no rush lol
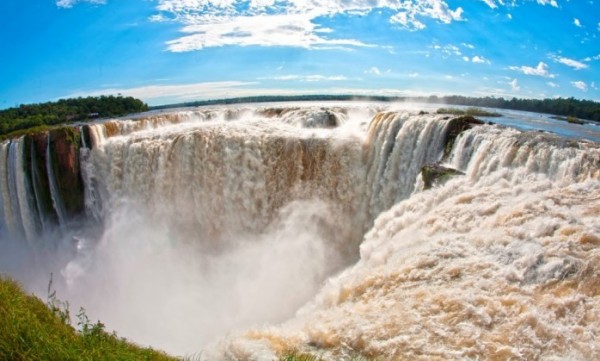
(457, 126)
(435, 174)
(64, 144)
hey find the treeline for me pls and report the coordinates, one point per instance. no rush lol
(67, 111)
(582, 109)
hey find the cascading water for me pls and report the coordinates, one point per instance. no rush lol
(202, 224)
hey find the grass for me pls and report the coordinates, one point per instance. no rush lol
(33, 330)
(475, 112)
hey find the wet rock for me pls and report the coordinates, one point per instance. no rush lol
(64, 144)
(457, 126)
(435, 174)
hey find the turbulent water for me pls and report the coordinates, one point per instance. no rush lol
(252, 231)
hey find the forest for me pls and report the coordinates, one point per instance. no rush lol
(17, 119)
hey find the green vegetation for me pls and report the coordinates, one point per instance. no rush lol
(25, 118)
(31, 330)
(474, 112)
(570, 119)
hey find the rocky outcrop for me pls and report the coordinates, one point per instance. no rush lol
(455, 127)
(64, 144)
(435, 174)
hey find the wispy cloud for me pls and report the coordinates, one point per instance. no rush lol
(307, 78)
(410, 11)
(580, 85)
(374, 70)
(296, 30)
(590, 58)
(480, 60)
(514, 84)
(491, 3)
(497, 3)
(548, 2)
(576, 22)
(291, 23)
(448, 50)
(540, 70)
(552, 84)
(294, 23)
(180, 92)
(70, 3)
(577, 65)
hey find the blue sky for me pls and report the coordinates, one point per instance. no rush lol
(166, 51)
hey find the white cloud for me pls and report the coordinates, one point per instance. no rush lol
(413, 75)
(448, 50)
(580, 85)
(260, 30)
(552, 84)
(374, 70)
(180, 92)
(514, 84)
(212, 23)
(480, 60)
(540, 70)
(70, 3)
(576, 22)
(548, 2)
(466, 45)
(293, 23)
(590, 58)
(577, 65)
(410, 10)
(307, 78)
(491, 3)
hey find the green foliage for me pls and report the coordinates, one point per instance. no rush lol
(31, 330)
(475, 112)
(63, 111)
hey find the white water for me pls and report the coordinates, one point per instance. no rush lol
(218, 222)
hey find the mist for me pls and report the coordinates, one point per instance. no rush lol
(157, 288)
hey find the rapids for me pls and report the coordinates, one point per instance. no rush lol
(251, 231)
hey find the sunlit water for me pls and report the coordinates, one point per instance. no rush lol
(249, 231)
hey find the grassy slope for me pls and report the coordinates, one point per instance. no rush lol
(29, 330)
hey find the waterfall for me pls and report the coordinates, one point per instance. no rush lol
(215, 221)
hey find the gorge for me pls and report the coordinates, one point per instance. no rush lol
(340, 229)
